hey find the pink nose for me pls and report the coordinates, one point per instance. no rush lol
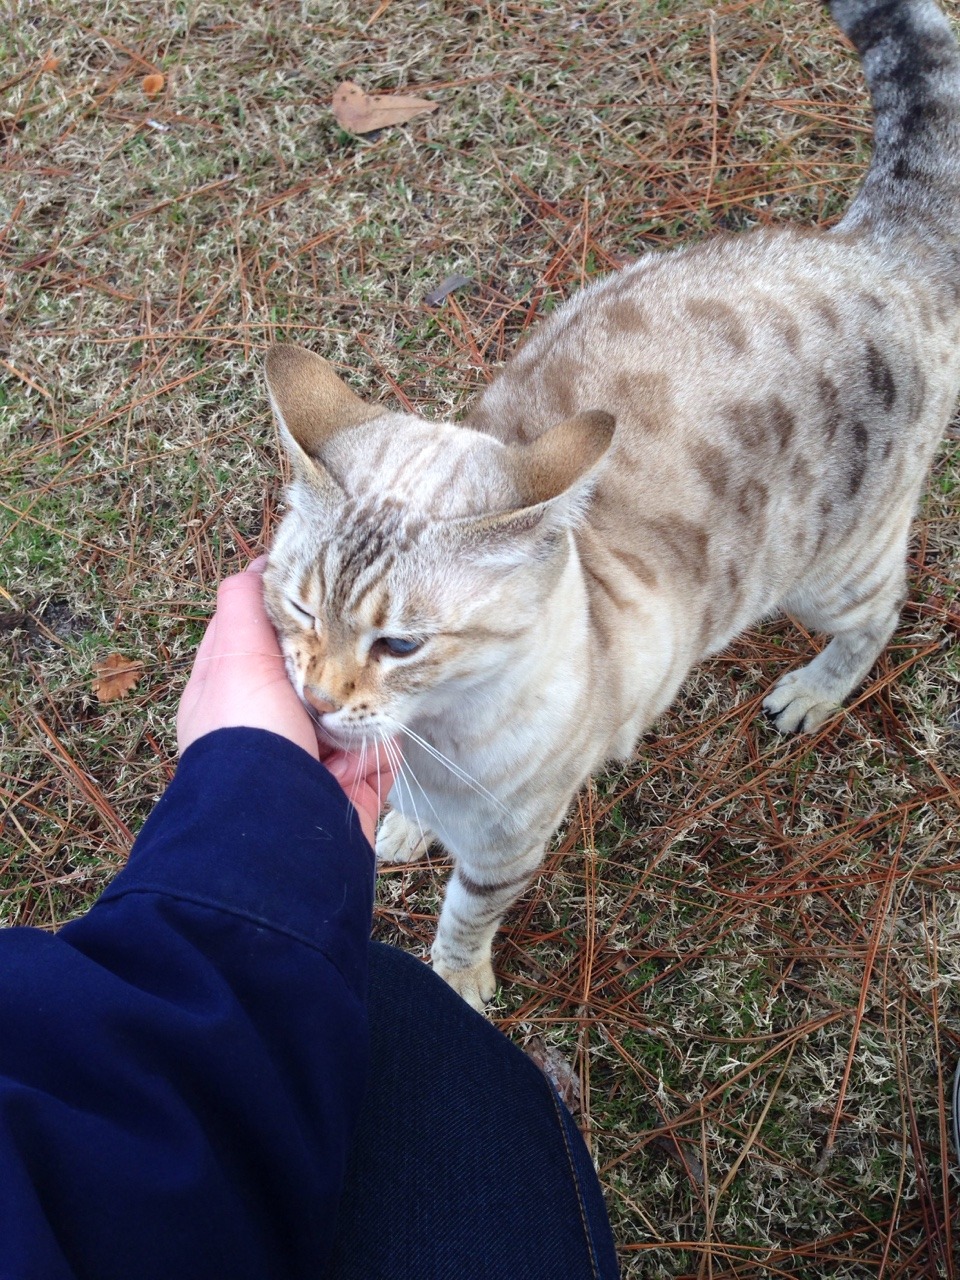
(319, 704)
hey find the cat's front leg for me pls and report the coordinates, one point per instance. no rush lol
(478, 896)
(400, 840)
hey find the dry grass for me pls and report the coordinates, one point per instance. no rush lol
(748, 948)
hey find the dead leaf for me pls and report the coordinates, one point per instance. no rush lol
(436, 296)
(687, 1159)
(360, 112)
(558, 1071)
(152, 84)
(116, 676)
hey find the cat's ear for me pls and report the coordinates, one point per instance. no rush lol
(563, 458)
(310, 401)
(555, 475)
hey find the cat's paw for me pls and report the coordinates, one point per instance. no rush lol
(399, 840)
(476, 985)
(796, 704)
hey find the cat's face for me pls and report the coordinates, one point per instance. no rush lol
(413, 556)
(380, 622)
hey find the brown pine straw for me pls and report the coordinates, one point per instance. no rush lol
(747, 948)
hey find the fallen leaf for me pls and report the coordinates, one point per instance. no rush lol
(436, 296)
(116, 676)
(152, 84)
(688, 1160)
(360, 112)
(558, 1070)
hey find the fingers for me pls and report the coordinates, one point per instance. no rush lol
(368, 766)
(382, 777)
(212, 643)
(205, 648)
(242, 622)
(239, 677)
(372, 767)
(366, 788)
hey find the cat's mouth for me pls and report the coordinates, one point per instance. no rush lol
(345, 737)
(332, 735)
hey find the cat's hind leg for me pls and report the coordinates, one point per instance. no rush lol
(803, 699)
(861, 614)
(400, 840)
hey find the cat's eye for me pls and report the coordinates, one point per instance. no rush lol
(303, 614)
(395, 646)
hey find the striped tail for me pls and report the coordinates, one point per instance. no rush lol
(912, 66)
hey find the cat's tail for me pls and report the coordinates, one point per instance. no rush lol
(912, 66)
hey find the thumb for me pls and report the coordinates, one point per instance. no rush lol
(340, 766)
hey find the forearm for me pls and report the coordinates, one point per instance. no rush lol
(180, 1069)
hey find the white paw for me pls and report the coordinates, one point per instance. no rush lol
(476, 985)
(399, 840)
(796, 704)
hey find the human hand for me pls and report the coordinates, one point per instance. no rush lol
(239, 678)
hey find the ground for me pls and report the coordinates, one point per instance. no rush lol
(745, 949)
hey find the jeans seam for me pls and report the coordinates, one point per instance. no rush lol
(584, 1220)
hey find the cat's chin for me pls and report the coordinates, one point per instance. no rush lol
(345, 740)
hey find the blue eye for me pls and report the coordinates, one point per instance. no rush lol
(396, 646)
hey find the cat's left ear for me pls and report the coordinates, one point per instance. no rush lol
(563, 459)
(554, 474)
(310, 401)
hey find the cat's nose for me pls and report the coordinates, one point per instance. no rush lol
(322, 705)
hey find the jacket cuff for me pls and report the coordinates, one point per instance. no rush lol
(254, 826)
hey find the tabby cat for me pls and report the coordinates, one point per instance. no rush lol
(707, 436)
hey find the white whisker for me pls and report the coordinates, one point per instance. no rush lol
(460, 774)
(409, 774)
(354, 790)
(401, 774)
(376, 745)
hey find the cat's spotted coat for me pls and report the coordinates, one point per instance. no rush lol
(707, 436)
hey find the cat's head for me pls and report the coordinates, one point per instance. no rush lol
(413, 555)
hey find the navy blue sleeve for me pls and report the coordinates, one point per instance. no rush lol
(181, 1068)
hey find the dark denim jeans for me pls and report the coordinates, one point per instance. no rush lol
(466, 1165)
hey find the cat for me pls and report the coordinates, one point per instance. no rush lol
(705, 437)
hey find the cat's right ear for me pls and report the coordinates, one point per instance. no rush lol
(311, 403)
(554, 474)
